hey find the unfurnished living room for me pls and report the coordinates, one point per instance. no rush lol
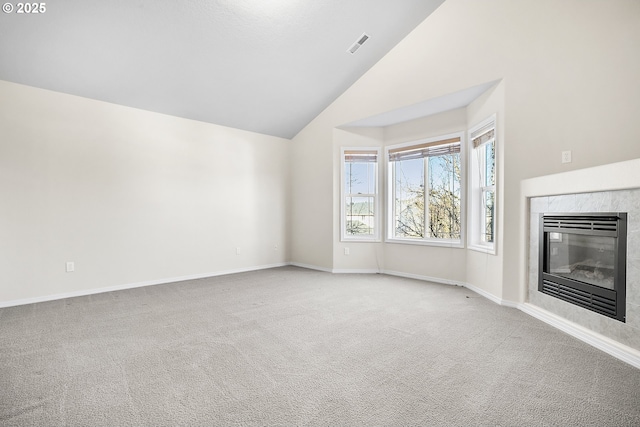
(293, 212)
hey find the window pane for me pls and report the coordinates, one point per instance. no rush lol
(488, 216)
(360, 216)
(359, 178)
(444, 196)
(409, 198)
(490, 164)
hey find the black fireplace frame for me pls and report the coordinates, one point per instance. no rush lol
(604, 301)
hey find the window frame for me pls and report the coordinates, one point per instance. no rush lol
(376, 236)
(390, 199)
(477, 191)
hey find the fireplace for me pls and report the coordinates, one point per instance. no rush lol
(583, 260)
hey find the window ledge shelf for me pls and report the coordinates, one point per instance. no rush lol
(444, 244)
(491, 250)
(360, 240)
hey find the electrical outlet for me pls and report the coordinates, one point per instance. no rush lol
(70, 267)
(346, 251)
(238, 251)
(566, 157)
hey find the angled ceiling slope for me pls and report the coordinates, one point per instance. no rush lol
(268, 67)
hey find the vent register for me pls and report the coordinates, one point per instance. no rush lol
(591, 229)
(585, 223)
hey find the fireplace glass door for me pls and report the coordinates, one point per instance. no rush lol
(588, 259)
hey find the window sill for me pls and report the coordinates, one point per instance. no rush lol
(433, 242)
(491, 250)
(361, 239)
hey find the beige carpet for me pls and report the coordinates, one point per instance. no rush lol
(290, 346)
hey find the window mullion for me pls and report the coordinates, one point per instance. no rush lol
(392, 199)
(425, 184)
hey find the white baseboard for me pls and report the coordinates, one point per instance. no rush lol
(609, 346)
(421, 277)
(473, 288)
(94, 291)
(311, 267)
(355, 271)
(491, 297)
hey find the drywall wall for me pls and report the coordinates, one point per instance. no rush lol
(311, 210)
(569, 71)
(130, 196)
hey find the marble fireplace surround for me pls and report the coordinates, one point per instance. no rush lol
(608, 188)
(607, 201)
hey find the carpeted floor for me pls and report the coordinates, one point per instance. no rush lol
(290, 346)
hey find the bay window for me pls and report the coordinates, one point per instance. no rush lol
(425, 191)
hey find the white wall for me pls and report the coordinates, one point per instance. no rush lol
(130, 196)
(569, 70)
(311, 228)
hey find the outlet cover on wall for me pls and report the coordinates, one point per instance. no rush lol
(566, 157)
(346, 251)
(70, 266)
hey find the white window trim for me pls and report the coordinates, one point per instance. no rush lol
(474, 243)
(427, 241)
(376, 237)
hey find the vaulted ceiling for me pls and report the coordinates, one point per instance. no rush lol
(268, 66)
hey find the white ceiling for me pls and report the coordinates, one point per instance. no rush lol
(426, 108)
(267, 66)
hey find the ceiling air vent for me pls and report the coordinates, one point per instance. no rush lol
(363, 38)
